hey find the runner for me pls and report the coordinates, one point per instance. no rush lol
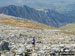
(33, 42)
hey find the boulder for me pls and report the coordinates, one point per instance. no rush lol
(4, 46)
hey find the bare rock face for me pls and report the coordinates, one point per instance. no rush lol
(4, 46)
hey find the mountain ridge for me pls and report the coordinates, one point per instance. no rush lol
(51, 17)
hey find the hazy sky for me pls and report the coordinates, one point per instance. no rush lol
(37, 3)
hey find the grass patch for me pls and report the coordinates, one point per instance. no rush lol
(24, 23)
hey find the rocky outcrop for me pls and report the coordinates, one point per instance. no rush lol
(4, 46)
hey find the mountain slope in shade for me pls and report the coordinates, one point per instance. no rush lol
(48, 17)
(19, 22)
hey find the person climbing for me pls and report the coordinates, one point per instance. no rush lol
(33, 42)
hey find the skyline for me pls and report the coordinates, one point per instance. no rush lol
(37, 3)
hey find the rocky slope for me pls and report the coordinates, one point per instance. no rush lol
(18, 41)
(16, 35)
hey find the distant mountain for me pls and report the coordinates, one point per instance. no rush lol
(48, 17)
